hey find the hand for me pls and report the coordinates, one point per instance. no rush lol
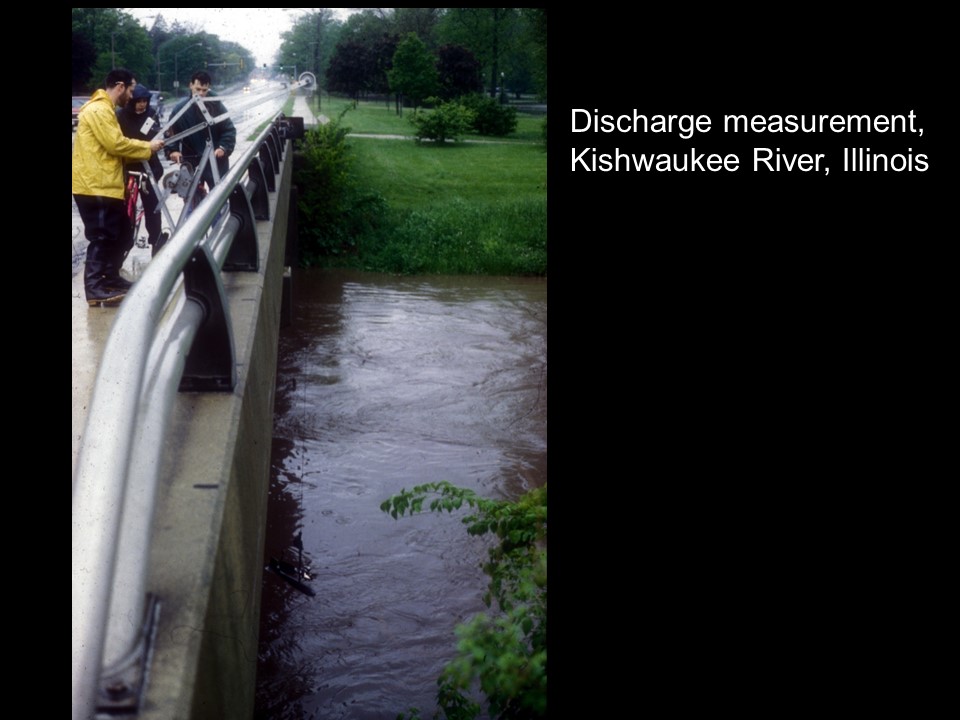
(156, 144)
(219, 153)
(175, 156)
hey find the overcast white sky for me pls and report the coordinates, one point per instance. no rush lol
(257, 29)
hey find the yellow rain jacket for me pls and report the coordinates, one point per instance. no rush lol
(99, 149)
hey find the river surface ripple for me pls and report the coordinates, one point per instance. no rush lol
(384, 383)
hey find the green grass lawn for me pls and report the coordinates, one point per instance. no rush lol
(460, 208)
(412, 176)
(378, 118)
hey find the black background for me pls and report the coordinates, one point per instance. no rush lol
(749, 373)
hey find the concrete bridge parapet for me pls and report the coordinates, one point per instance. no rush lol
(208, 529)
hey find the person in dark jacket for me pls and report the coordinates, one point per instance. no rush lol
(140, 121)
(190, 148)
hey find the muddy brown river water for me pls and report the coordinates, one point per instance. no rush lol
(384, 383)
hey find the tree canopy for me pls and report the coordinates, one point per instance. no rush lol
(414, 72)
(459, 71)
(309, 44)
(491, 33)
(508, 45)
(104, 38)
(350, 68)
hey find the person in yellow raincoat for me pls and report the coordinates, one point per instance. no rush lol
(98, 153)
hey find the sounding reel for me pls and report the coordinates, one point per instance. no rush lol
(307, 79)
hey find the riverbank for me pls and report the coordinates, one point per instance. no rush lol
(402, 207)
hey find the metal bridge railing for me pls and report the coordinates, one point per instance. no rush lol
(173, 330)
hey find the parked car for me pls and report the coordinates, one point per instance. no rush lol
(78, 102)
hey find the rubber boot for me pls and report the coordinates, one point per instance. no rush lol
(114, 261)
(96, 276)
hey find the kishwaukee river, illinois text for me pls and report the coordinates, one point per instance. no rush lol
(764, 159)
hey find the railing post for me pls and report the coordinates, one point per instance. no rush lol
(211, 364)
(262, 185)
(244, 253)
(270, 165)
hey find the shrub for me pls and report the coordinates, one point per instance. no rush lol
(447, 122)
(490, 117)
(333, 212)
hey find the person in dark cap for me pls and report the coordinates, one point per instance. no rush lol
(140, 121)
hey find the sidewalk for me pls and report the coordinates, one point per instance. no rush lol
(302, 109)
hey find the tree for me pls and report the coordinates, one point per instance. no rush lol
(505, 653)
(366, 27)
(459, 71)
(361, 66)
(384, 49)
(373, 22)
(489, 32)
(537, 35)
(160, 35)
(116, 38)
(420, 21)
(414, 71)
(104, 37)
(518, 69)
(231, 61)
(310, 44)
(84, 55)
(350, 69)
(184, 55)
(372, 29)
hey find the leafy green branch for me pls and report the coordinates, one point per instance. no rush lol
(506, 653)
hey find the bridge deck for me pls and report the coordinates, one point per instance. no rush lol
(206, 557)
